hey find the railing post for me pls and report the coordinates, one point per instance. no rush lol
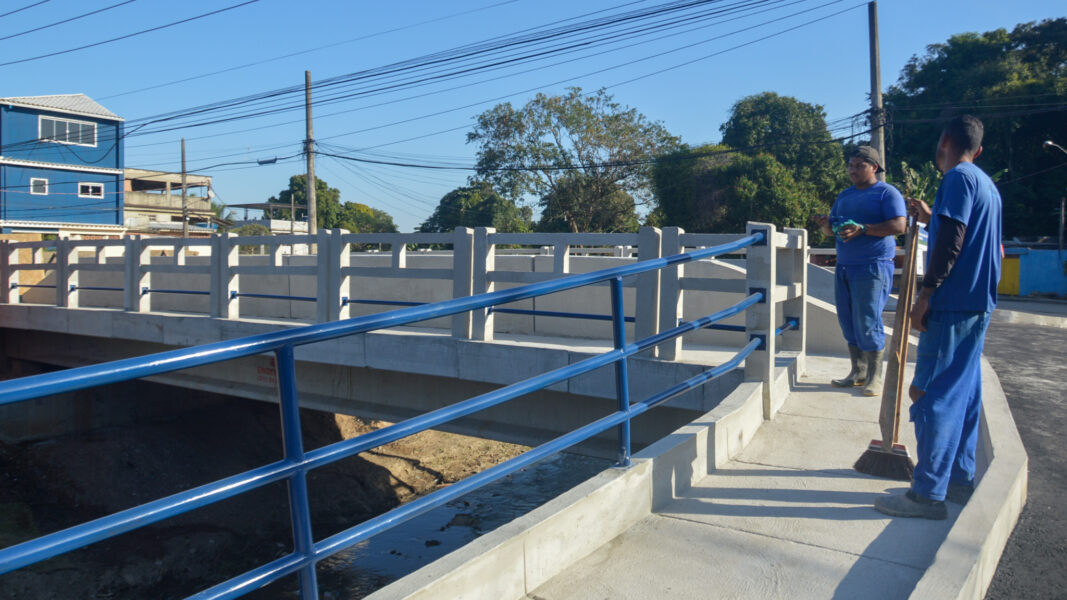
(622, 374)
(137, 277)
(670, 301)
(647, 306)
(341, 282)
(561, 259)
(759, 318)
(462, 277)
(325, 295)
(9, 277)
(225, 254)
(66, 275)
(299, 508)
(795, 339)
(484, 264)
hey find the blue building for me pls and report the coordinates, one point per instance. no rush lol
(61, 164)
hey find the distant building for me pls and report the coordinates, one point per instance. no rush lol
(153, 203)
(61, 166)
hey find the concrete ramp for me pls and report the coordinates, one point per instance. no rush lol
(728, 509)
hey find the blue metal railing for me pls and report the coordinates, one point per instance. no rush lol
(296, 463)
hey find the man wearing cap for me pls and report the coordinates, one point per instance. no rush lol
(864, 219)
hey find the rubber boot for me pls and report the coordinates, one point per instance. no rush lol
(874, 373)
(858, 375)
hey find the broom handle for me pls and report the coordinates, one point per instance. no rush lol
(892, 392)
(907, 296)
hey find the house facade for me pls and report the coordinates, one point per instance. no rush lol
(61, 165)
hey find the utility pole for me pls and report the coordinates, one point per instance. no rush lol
(877, 117)
(185, 198)
(309, 148)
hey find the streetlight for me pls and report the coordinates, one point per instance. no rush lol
(1051, 144)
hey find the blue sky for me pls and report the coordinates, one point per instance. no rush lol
(688, 80)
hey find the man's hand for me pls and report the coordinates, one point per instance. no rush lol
(849, 232)
(919, 209)
(919, 312)
(823, 221)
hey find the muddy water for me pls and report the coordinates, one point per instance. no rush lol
(389, 556)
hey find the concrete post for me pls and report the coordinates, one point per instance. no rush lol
(137, 277)
(400, 255)
(484, 264)
(66, 276)
(561, 259)
(9, 257)
(225, 254)
(326, 293)
(796, 272)
(341, 282)
(670, 300)
(759, 318)
(179, 251)
(462, 265)
(647, 305)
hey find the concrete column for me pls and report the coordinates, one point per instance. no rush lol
(561, 259)
(225, 254)
(484, 264)
(670, 299)
(66, 254)
(400, 255)
(462, 279)
(325, 291)
(137, 277)
(341, 281)
(647, 305)
(759, 318)
(6, 272)
(796, 272)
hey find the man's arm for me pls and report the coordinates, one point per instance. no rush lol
(943, 255)
(894, 226)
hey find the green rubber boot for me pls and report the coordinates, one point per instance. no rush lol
(874, 373)
(858, 375)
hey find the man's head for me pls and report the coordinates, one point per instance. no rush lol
(961, 141)
(864, 164)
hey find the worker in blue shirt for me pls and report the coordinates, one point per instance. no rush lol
(958, 293)
(864, 219)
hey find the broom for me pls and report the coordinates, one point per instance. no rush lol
(887, 457)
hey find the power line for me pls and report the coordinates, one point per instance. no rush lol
(81, 16)
(18, 10)
(127, 36)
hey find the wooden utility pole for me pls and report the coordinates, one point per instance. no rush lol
(185, 197)
(309, 148)
(877, 117)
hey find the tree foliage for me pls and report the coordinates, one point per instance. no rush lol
(795, 134)
(477, 205)
(1016, 82)
(709, 189)
(330, 212)
(557, 146)
(566, 208)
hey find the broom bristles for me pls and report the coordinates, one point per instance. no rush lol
(892, 464)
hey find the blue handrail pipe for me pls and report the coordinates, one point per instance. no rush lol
(297, 463)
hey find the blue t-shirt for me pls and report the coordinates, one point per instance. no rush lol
(878, 203)
(969, 196)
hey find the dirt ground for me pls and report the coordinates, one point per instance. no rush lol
(47, 486)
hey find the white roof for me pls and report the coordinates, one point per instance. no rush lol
(78, 104)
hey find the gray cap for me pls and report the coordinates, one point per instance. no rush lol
(868, 154)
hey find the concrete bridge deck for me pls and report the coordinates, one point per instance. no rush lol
(784, 516)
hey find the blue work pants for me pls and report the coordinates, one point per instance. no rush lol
(861, 292)
(948, 369)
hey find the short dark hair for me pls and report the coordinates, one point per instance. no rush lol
(965, 133)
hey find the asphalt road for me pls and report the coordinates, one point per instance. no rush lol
(1031, 362)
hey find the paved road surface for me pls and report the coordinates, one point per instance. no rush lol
(1031, 362)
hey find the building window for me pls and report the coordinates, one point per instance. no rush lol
(90, 190)
(66, 131)
(38, 186)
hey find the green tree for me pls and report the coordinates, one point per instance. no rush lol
(544, 147)
(254, 229)
(330, 212)
(223, 214)
(795, 134)
(360, 218)
(709, 189)
(477, 205)
(565, 209)
(1016, 82)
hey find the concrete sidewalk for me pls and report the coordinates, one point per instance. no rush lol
(787, 518)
